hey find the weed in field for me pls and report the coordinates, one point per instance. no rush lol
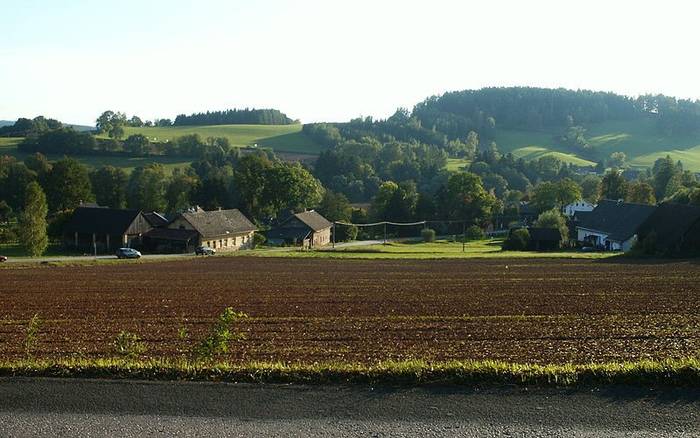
(220, 336)
(129, 345)
(32, 334)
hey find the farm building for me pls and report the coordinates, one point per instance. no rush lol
(308, 229)
(575, 207)
(613, 225)
(544, 239)
(104, 229)
(223, 230)
(672, 229)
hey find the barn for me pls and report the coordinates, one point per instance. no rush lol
(674, 228)
(308, 229)
(97, 229)
(222, 230)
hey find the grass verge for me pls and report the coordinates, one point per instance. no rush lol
(676, 372)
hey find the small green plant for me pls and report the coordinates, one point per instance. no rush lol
(129, 345)
(428, 235)
(218, 340)
(32, 334)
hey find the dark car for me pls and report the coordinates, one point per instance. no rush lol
(3, 259)
(204, 250)
(128, 253)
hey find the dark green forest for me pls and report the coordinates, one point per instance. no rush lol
(235, 117)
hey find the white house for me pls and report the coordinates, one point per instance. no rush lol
(580, 205)
(612, 225)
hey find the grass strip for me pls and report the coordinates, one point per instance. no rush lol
(674, 372)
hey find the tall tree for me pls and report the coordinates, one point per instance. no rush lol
(467, 199)
(32, 221)
(67, 185)
(335, 207)
(180, 191)
(640, 192)
(109, 184)
(146, 188)
(613, 186)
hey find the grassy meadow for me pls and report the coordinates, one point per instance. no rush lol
(441, 249)
(280, 138)
(638, 139)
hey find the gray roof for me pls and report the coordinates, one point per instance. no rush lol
(219, 222)
(100, 220)
(671, 222)
(619, 220)
(313, 220)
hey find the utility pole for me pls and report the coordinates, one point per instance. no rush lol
(384, 233)
(333, 234)
(464, 236)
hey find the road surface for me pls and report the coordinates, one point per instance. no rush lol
(55, 407)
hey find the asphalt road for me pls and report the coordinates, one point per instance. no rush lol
(55, 407)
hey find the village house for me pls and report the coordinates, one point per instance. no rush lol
(674, 229)
(578, 206)
(97, 229)
(308, 229)
(612, 225)
(222, 230)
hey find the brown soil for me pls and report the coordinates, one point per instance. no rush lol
(364, 310)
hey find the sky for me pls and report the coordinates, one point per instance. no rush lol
(327, 60)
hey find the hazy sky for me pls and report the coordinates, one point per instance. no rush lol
(329, 60)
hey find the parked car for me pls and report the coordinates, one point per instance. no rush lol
(3, 258)
(128, 253)
(204, 250)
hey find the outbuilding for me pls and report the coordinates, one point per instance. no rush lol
(308, 229)
(97, 229)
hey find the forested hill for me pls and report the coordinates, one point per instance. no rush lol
(456, 113)
(235, 117)
(577, 126)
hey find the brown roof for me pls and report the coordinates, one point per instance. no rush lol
(313, 220)
(219, 222)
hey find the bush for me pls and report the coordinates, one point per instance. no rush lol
(428, 235)
(8, 235)
(258, 240)
(474, 233)
(517, 240)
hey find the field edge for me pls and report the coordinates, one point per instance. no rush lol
(670, 372)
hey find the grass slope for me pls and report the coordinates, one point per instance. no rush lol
(281, 138)
(638, 139)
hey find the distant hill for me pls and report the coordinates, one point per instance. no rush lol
(6, 123)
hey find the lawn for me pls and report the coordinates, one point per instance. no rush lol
(281, 138)
(441, 249)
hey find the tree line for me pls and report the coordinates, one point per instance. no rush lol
(247, 116)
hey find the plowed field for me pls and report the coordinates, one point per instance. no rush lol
(532, 310)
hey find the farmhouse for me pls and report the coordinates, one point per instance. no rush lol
(308, 229)
(672, 229)
(578, 206)
(104, 229)
(613, 225)
(223, 230)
